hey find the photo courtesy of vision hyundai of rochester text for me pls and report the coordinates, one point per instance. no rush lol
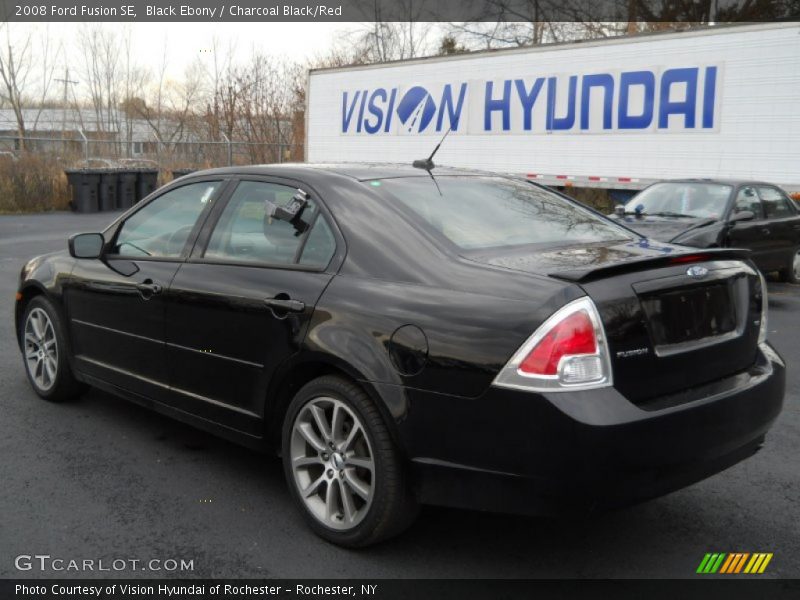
(403, 336)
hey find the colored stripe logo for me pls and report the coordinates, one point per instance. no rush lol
(734, 563)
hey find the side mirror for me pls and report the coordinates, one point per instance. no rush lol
(86, 245)
(745, 215)
(619, 210)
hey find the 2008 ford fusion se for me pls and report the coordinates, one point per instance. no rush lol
(402, 336)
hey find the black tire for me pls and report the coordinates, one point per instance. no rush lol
(791, 274)
(393, 507)
(64, 386)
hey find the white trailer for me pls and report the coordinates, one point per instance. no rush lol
(617, 113)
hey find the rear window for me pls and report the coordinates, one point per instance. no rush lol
(491, 212)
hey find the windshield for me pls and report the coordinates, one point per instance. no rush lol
(687, 199)
(493, 212)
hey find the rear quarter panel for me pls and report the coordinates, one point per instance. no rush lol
(457, 340)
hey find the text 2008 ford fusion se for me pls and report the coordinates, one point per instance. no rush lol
(403, 336)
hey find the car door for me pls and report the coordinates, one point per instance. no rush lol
(241, 303)
(783, 224)
(116, 304)
(754, 234)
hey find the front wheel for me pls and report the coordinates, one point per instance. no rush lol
(343, 469)
(45, 354)
(791, 273)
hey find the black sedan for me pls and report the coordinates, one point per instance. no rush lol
(401, 336)
(721, 213)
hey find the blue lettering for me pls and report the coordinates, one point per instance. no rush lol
(709, 89)
(639, 99)
(528, 99)
(347, 114)
(361, 111)
(503, 104)
(453, 112)
(390, 110)
(375, 111)
(625, 120)
(561, 123)
(605, 81)
(685, 107)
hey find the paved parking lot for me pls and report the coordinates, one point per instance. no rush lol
(101, 478)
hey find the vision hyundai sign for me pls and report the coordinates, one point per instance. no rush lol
(677, 99)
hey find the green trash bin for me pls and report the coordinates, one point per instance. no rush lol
(146, 182)
(108, 189)
(126, 190)
(85, 189)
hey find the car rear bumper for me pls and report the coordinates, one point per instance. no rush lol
(557, 453)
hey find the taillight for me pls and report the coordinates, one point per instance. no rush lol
(688, 258)
(572, 336)
(569, 351)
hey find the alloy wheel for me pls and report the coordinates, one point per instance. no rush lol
(332, 462)
(41, 349)
(796, 265)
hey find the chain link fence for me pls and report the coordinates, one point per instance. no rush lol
(198, 154)
(32, 168)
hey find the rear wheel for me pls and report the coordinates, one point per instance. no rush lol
(342, 467)
(792, 272)
(45, 354)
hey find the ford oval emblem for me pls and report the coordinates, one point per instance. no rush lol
(697, 272)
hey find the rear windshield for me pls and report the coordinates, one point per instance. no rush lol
(491, 212)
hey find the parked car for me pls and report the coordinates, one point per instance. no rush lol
(716, 213)
(401, 336)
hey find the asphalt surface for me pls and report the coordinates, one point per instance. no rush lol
(100, 478)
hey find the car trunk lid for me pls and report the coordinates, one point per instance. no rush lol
(674, 318)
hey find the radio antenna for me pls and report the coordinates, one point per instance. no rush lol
(427, 163)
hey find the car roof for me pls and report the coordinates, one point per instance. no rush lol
(356, 171)
(723, 180)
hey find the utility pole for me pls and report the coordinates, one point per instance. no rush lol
(66, 81)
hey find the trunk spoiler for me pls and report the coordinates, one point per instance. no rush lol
(649, 262)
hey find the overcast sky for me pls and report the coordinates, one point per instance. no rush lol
(186, 41)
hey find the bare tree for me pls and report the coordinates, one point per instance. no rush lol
(272, 101)
(101, 62)
(340, 54)
(392, 30)
(15, 67)
(47, 61)
(512, 23)
(134, 79)
(221, 95)
(258, 102)
(155, 109)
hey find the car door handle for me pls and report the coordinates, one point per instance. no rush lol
(285, 304)
(147, 289)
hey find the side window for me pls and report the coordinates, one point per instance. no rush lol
(776, 205)
(320, 245)
(747, 199)
(162, 227)
(245, 233)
